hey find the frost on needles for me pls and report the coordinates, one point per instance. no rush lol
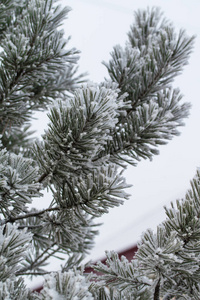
(94, 131)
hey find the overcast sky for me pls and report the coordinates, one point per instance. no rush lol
(96, 26)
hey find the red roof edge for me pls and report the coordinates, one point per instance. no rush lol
(128, 253)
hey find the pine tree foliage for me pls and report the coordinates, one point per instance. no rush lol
(94, 130)
(73, 285)
(144, 69)
(14, 289)
(13, 246)
(35, 66)
(167, 262)
(17, 184)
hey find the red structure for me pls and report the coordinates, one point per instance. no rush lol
(129, 254)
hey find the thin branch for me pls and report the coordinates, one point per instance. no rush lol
(29, 226)
(42, 177)
(33, 273)
(29, 215)
(157, 291)
(49, 255)
(35, 263)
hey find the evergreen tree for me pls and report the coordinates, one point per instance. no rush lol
(94, 131)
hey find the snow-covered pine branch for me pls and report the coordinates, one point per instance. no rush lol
(167, 259)
(94, 130)
(35, 65)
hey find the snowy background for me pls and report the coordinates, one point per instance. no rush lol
(96, 26)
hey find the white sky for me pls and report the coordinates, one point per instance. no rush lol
(96, 26)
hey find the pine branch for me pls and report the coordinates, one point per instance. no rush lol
(43, 177)
(38, 260)
(33, 273)
(29, 215)
(29, 227)
(157, 291)
(92, 130)
(121, 274)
